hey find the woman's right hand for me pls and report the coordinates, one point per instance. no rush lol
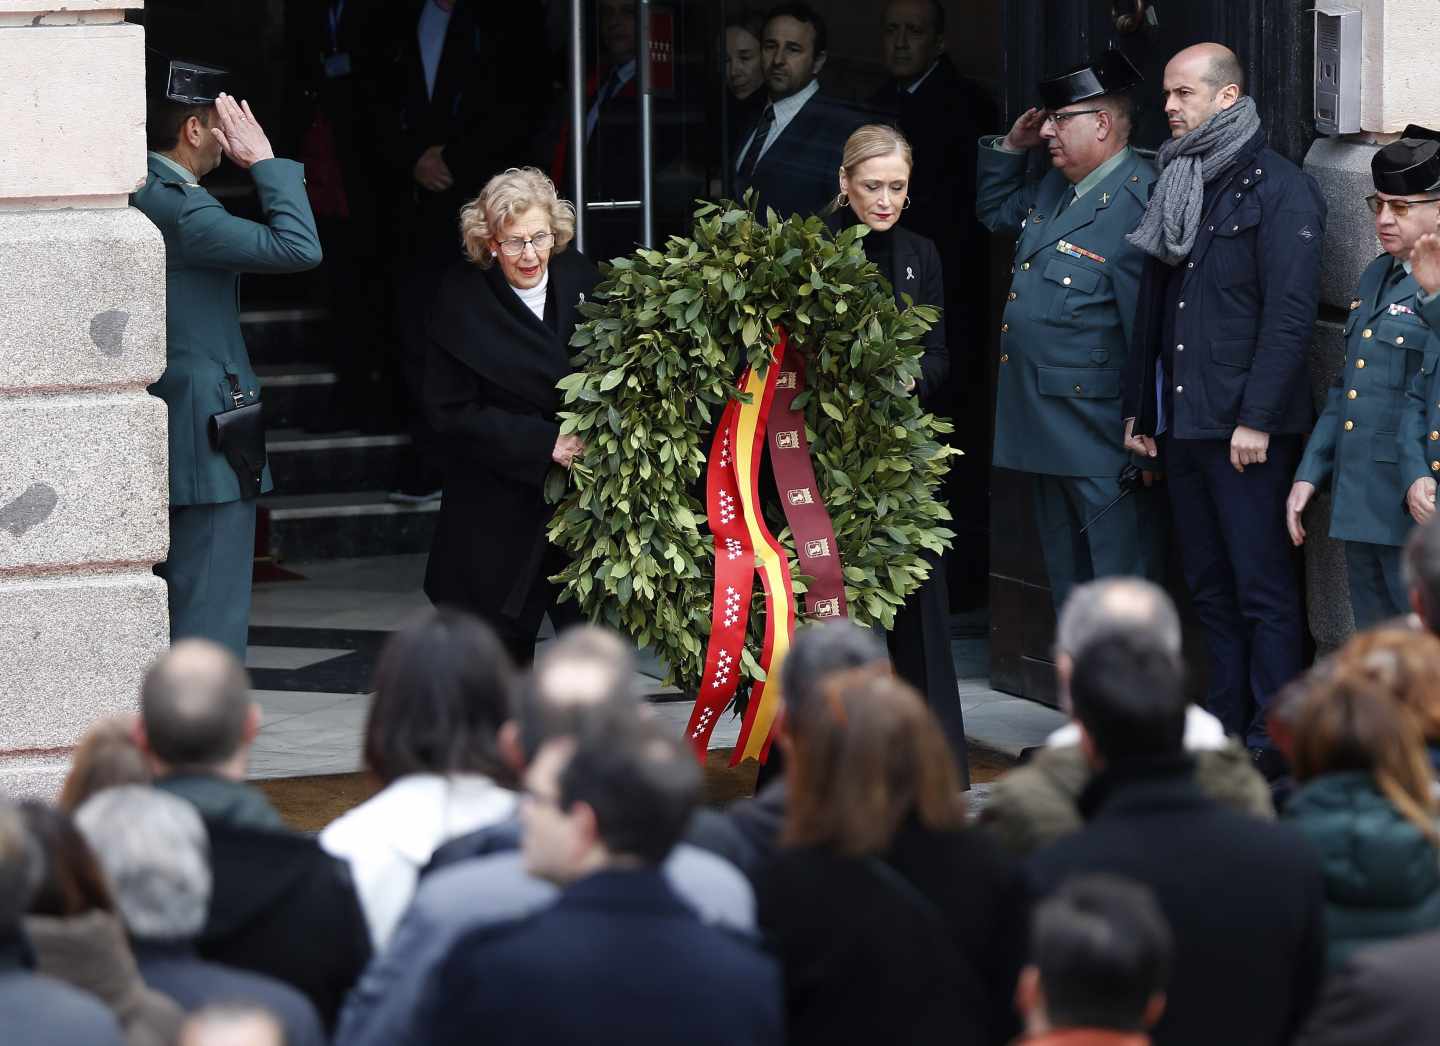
(567, 449)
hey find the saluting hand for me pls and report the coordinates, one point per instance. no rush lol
(1420, 499)
(1300, 495)
(1425, 262)
(240, 135)
(1026, 132)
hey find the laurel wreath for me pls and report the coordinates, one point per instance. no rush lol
(666, 335)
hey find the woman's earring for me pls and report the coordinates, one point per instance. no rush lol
(843, 200)
(494, 254)
(906, 205)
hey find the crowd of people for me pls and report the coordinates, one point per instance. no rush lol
(537, 865)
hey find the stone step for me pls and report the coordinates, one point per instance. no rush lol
(316, 463)
(358, 523)
(295, 393)
(287, 334)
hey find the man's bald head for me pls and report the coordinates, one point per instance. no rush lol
(195, 705)
(587, 671)
(1124, 605)
(1199, 82)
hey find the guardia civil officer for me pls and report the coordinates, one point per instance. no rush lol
(1354, 446)
(1068, 315)
(217, 448)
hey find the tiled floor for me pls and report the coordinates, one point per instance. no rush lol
(313, 644)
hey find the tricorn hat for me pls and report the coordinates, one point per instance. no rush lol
(188, 83)
(1411, 165)
(1113, 74)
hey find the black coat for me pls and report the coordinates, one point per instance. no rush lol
(490, 396)
(800, 172)
(1250, 292)
(1384, 995)
(1244, 899)
(618, 959)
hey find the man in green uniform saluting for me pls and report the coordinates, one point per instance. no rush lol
(1068, 317)
(217, 457)
(1364, 445)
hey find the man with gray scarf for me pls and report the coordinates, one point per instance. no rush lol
(1215, 384)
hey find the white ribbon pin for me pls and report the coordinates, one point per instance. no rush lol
(909, 273)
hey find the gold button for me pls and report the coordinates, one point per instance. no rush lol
(1400, 340)
(1004, 328)
(1435, 466)
(1004, 357)
(1012, 295)
(1066, 281)
(1359, 364)
(1024, 265)
(1349, 425)
(1366, 332)
(1077, 388)
(1350, 394)
(1434, 435)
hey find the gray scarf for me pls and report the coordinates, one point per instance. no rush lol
(1172, 218)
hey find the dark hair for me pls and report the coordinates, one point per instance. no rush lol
(442, 691)
(1103, 950)
(1422, 570)
(195, 702)
(937, 15)
(872, 756)
(1127, 694)
(818, 652)
(748, 19)
(71, 879)
(165, 118)
(107, 756)
(587, 671)
(637, 779)
(802, 12)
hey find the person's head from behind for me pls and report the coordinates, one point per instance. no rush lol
(156, 856)
(817, 653)
(1100, 956)
(1201, 81)
(71, 880)
(232, 1024)
(587, 672)
(875, 175)
(20, 868)
(793, 47)
(1404, 663)
(1348, 723)
(872, 757)
(106, 756)
(1127, 695)
(617, 795)
(1283, 714)
(1422, 573)
(744, 62)
(1129, 606)
(196, 715)
(443, 688)
(914, 37)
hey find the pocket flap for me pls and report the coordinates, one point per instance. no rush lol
(1233, 352)
(1079, 382)
(1386, 448)
(1068, 275)
(1400, 333)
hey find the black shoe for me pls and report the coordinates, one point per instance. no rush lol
(1270, 763)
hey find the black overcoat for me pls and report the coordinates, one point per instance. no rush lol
(490, 395)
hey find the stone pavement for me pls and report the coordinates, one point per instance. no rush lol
(313, 645)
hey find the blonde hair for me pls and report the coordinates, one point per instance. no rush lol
(868, 142)
(506, 195)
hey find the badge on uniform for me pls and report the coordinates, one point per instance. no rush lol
(1355, 305)
(1066, 247)
(1396, 309)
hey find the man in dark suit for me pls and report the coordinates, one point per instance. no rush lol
(1227, 883)
(1384, 994)
(792, 156)
(618, 958)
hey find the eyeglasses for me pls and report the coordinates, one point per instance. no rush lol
(1399, 208)
(1058, 119)
(515, 246)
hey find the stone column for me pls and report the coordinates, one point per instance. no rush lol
(83, 482)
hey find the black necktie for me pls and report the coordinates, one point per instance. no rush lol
(757, 141)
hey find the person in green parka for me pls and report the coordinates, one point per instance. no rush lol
(190, 125)
(1368, 444)
(1365, 803)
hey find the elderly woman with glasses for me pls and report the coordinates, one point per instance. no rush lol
(498, 335)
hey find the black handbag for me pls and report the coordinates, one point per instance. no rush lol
(239, 434)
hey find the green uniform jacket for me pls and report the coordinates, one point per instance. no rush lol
(206, 250)
(1420, 425)
(1354, 445)
(1068, 316)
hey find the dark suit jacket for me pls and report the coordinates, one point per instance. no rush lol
(490, 396)
(1384, 996)
(619, 959)
(1244, 899)
(800, 172)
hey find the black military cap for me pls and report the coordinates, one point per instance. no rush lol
(186, 82)
(1411, 165)
(1113, 74)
